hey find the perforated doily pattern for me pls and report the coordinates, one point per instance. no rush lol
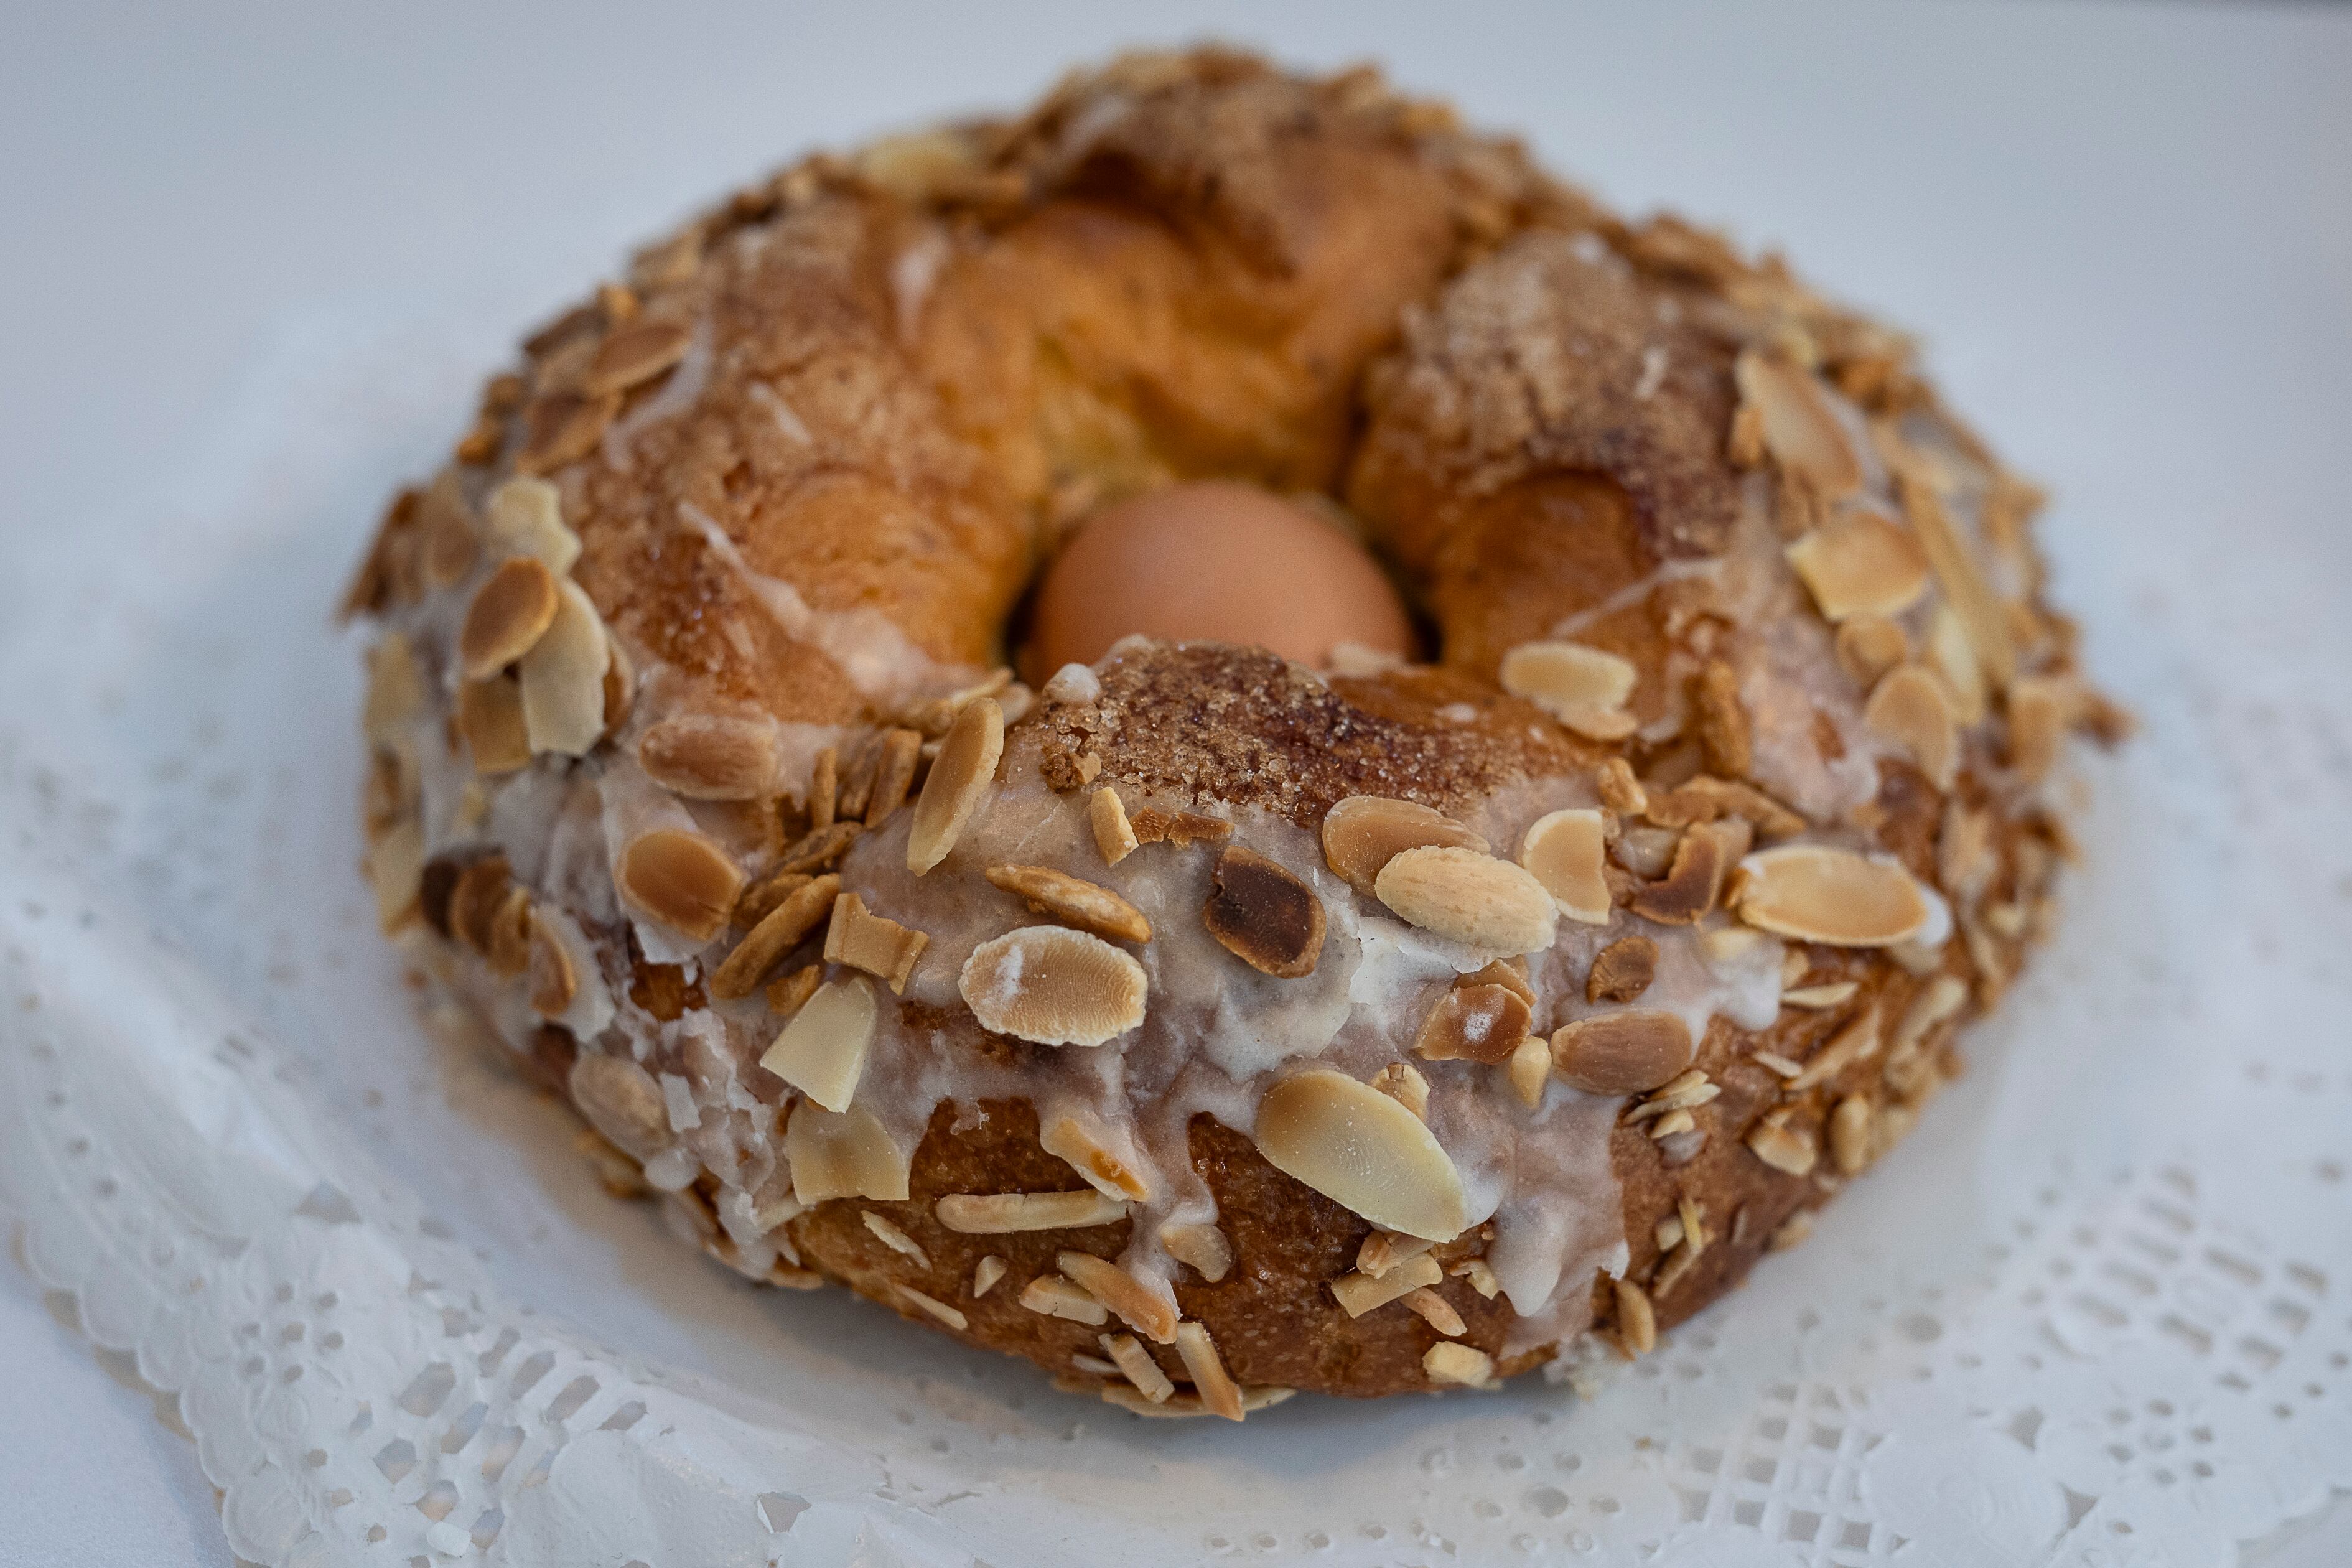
(2096, 1312)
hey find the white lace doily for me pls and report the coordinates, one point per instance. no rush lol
(2096, 1312)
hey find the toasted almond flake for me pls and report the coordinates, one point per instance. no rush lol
(1449, 1360)
(1360, 1293)
(509, 612)
(1850, 1134)
(863, 940)
(1625, 1052)
(2005, 920)
(621, 1102)
(1693, 885)
(1861, 563)
(894, 774)
(679, 879)
(761, 899)
(857, 780)
(1936, 1001)
(1003, 1213)
(1087, 1151)
(620, 685)
(1253, 1399)
(1203, 1248)
(526, 518)
(1621, 792)
(1364, 832)
(1668, 1232)
(1948, 653)
(1564, 851)
(2040, 708)
(1798, 427)
(396, 868)
(1870, 646)
(1437, 1311)
(1779, 1064)
(1722, 721)
(1363, 1150)
(1682, 1093)
(1913, 708)
(1217, 1392)
(818, 849)
(822, 1050)
(1637, 1319)
(1145, 1307)
(1584, 688)
(1488, 905)
(1089, 906)
(1481, 1274)
(950, 1316)
(1815, 893)
(842, 1154)
(1181, 828)
(1671, 1124)
(1474, 1023)
(1384, 1250)
(1745, 447)
(1263, 915)
(562, 428)
(554, 978)
(1509, 973)
(1136, 1363)
(1107, 815)
(1857, 1041)
(777, 931)
(1403, 1082)
(897, 1240)
(396, 693)
(1956, 568)
(1820, 998)
(1785, 1149)
(562, 677)
(1529, 1070)
(1792, 1230)
(960, 776)
(708, 756)
(1053, 986)
(489, 717)
(1621, 971)
(985, 1274)
(633, 355)
(508, 943)
(449, 544)
(823, 787)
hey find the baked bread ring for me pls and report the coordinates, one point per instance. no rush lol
(1199, 1025)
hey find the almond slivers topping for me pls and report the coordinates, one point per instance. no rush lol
(1584, 688)
(1365, 832)
(1203, 1248)
(1785, 1149)
(396, 868)
(959, 778)
(1140, 1370)
(507, 614)
(779, 932)
(822, 1051)
(633, 355)
(1085, 905)
(1956, 568)
(1528, 1070)
(395, 692)
(1834, 896)
(1629, 1052)
(679, 879)
(1143, 1308)
(1219, 1394)
(1053, 986)
(1565, 851)
(1913, 708)
(1474, 1023)
(1490, 905)
(897, 1240)
(526, 518)
(1870, 646)
(2040, 706)
(1114, 1174)
(1051, 1296)
(863, 940)
(1364, 1152)
(1114, 835)
(1637, 1321)
(620, 1100)
(1360, 1293)
(489, 716)
(1799, 428)
(707, 756)
(563, 677)
(1263, 915)
(953, 1317)
(1860, 563)
(1003, 1214)
(1449, 1360)
(842, 1154)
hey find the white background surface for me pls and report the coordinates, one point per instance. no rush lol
(2126, 233)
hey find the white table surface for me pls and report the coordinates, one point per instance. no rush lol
(2127, 231)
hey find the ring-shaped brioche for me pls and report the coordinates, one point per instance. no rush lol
(691, 773)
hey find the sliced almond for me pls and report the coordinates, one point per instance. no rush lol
(1143, 1308)
(1952, 655)
(620, 685)
(1799, 430)
(824, 786)
(554, 978)
(1474, 1023)
(489, 716)
(620, 1100)
(1053, 986)
(679, 879)
(1219, 1394)
(897, 1240)
(473, 900)
(1136, 1363)
(1913, 708)
(1565, 851)
(864, 939)
(1365, 832)
(1437, 1311)
(1936, 1001)
(396, 868)
(1528, 1070)
(959, 778)
(450, 544)
(1788, 1149)
(1263, 915)
(818, 849)
(1850, 1134)
(1870, 646)
(1637, 1319)
(894, 774)
(950, 1316)
(1003, 1214)
(2040, 706)
(1383, 1250)
(1721, 720)
(1584, 688)
(762, 897)
(562, 428)
(1622, 1053)
(822, 1051)
(508, 948)
(1450, 1360)
(1488, 905)
(842, 1154)
(1116, 1173)
(708, 756)
(1818, 998)
(1815, 893)
(1085, 905)
(509, 612)
(1621, 971)
(1203, 1248)
(633, 355)
(1107, 815)
(1857, 1042)
(1403, 1082)
(779, 932)
(396, 693)
(985, 1274)
(1621, 792)
(1860, 563)
(1363, 1150)
(1051, 1296)
(526, 518)
(1181, 828)
(562, 676)
(1957, 570)
(1360, 1293)
(1693, 884)
(788, 993)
